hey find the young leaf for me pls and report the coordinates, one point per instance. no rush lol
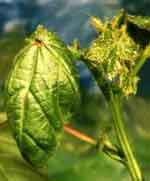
(139, 29)
(118, 53)
(112, 57)
(142, 22)
(42, 92)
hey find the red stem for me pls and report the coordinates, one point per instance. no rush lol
(79, 135)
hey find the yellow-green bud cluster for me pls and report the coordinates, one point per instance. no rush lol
(113, 55)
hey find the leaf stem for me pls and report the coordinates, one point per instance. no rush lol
(80, 135)
(106, 146)
(131, 162)
(142, 59)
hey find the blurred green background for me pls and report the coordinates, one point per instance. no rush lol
(75, 160)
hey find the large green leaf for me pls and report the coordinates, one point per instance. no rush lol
(12, 165)
(42, 92)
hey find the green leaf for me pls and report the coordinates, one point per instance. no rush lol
(42, 93)
(12, 165)
(62, 161)
(96, 167)
(142, 22)
(139, 29)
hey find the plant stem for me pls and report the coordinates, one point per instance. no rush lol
(131, 163)
(142, 59)
(79, 135)
(106, 146)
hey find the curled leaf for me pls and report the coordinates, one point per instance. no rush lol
(112, 57)
(42, 92)
(142, 22)
(118, 52)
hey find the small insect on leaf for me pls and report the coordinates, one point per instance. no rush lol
(42, 91)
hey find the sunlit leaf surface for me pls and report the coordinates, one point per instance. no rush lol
(42, 92)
